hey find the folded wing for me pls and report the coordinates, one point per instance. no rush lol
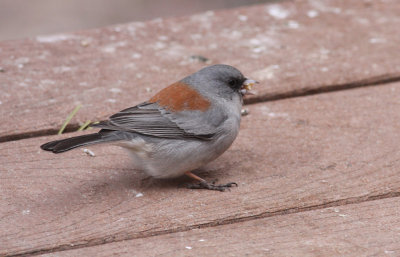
(152, 120)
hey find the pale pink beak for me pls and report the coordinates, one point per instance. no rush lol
(247, 86)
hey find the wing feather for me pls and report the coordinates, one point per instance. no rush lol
(151, 120)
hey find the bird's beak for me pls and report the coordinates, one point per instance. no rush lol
(247, 86)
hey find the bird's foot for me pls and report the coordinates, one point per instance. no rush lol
(212, 186)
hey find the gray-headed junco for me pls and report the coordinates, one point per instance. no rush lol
(181, 128)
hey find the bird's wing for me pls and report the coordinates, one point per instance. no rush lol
(152, 120)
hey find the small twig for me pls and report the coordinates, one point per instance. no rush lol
(85, 125)
(69, 118)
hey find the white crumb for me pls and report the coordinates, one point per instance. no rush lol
(293, 24)
(244, 112)
(242, 17)
(278, 12)
(115, 90)
(136, 56)
(89, 152)
(312, 13)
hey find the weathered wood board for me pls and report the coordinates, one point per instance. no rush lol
(306, 152)
(293, 48)
(366, 229)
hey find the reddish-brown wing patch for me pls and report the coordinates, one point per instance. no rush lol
(180, 97)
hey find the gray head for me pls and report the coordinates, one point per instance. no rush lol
(220, 79)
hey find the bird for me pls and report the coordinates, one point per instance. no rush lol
(180, 129)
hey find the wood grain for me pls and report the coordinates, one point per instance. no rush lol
(366, 229)
(291, 155)
(292, 48)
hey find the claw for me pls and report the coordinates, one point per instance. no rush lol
(212, 186)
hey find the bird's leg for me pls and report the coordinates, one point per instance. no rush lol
(203, 184)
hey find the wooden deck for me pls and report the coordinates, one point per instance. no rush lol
(317, 159)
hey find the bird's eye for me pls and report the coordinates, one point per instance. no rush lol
(232, 82)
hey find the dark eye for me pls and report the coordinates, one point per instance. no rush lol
(233, 82)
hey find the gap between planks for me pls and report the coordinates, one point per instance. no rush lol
(118, 238)
(372, 81)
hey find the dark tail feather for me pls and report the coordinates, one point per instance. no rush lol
(67, 144)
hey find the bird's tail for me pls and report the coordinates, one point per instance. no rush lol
(67, 144)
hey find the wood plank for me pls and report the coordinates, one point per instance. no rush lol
(366, 229)
(293, 47)
(294, 153)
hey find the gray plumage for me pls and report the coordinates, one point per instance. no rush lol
(167, 144)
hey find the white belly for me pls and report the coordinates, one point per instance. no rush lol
(167, 158)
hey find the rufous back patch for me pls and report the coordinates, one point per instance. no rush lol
(180, 97)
